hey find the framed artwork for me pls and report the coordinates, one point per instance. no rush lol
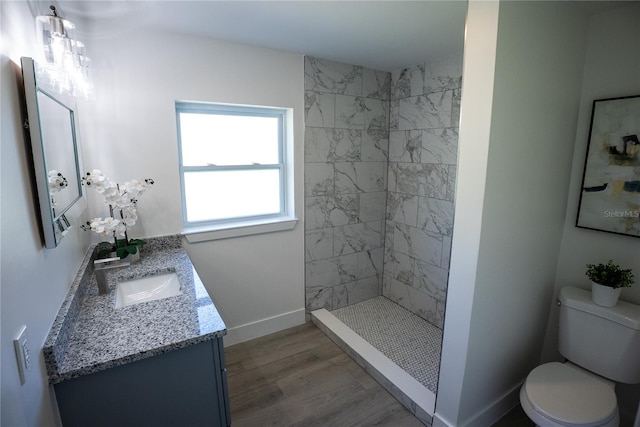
(610, 193)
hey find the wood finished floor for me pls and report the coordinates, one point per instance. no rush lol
(299, 377)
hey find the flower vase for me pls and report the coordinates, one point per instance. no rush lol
(605, 296)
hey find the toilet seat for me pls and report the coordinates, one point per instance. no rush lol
(562, 394)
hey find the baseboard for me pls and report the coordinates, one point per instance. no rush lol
(490, 414)
(497, 409)
(262, 327)
(439, 422)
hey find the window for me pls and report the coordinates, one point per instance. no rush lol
(233, 167)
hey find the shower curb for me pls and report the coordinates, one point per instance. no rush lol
(418, 400)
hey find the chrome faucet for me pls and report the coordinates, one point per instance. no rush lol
(101, 266)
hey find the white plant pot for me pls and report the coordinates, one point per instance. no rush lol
(604, 295)
(135, 257)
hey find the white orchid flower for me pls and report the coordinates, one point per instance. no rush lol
(121, 200)
(130, 218)
(120, 230)
(57, 181)
(111, 223)
(97, 225)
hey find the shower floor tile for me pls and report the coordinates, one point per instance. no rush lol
(409, 341)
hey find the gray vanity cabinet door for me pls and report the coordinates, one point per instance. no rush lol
(185, 387)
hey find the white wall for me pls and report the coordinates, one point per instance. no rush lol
(34, 280)
(473, 147)
(257, 282)
(499, 308)
(612, 69)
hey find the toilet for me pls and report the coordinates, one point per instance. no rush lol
(601, 345)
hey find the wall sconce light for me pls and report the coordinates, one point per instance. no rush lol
(62, 59)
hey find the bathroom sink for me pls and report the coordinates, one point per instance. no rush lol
(147, 289)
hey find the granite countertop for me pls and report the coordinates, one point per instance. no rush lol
(90, 334)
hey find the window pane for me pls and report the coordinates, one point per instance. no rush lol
(229, 194)
(215, 139)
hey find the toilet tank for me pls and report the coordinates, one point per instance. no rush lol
(603, 340)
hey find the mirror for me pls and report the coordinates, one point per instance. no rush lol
(56, 156)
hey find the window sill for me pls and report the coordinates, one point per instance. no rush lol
(238, 229)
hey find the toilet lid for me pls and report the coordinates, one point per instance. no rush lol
(568, 395)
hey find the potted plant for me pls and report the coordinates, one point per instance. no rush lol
(122, 200)
(607, 281)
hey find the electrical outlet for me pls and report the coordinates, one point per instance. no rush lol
(21, 346)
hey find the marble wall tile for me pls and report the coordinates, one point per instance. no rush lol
(451, 182)
(455, 108)
(440, 146)
(317, 297)
(431, 279)
(407, 177)
(388, 234)
(319, 109)
(331, 211)
(346, 178)
(400, 84)
(433, 180)
(322, 273)
(427, 111)
(376, 114)
(350, 112)
(424, 102)
(363, 289)
(425, 306)
(319, 244)
(355, 292)
(435, 215)
(375, 145)
(446, 252)
(418, 243)
(319, 179)
(331, 145)
(443, 74)
(332, 271)
(404, 268)
(390, 262)
(394, 114)
(322, 75)
(340, 297)
(372, 176)
(396, 291)
(405, 146)
(360, 177)
(407, 82)
(373, 206)
(370, 263)
(402, 208)
(392, 176)
(346, 131)
(358, 237)
(376, 84)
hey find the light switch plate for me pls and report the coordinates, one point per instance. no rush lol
(21, 346)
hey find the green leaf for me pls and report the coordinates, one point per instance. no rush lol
(122, 252)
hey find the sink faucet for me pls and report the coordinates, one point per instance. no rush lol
(101, 266)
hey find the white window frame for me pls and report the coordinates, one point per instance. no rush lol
(197, 231)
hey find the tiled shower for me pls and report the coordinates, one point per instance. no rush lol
(380, 164)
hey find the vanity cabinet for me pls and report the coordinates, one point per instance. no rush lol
(182, 387)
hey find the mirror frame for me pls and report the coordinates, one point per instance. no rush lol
(55, 225)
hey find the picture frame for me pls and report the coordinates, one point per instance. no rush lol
(610, 190)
